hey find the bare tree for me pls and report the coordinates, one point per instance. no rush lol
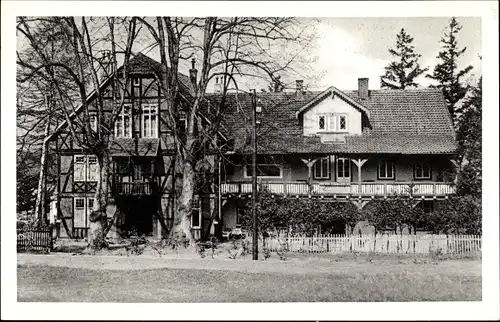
(73, 75)
(227, 48)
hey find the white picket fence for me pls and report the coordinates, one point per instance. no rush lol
(464, 245)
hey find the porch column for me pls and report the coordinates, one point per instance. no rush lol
(309, 163)
(359, 163)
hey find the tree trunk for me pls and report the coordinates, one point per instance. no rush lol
(181, 229)
(98, 216)
(40, 195)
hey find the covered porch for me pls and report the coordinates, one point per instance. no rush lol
(344, 176)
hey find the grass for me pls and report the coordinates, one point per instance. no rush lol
(365, 282)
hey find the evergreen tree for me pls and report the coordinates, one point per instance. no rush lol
(446, 72)
(401, 73)
(469, 129)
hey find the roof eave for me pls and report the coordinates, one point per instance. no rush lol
(334, 90)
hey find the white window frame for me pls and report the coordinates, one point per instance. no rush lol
(422, 165)
(79, 199)
(80, 159)
(346, 162)
(338, 116)
(196, 205)
(121, 118)
(136, 82)
(87, 159)
(385, 163)
(326, 122)
(91, 159)
(264, 177)
(332, 123)
(320, 163)
(150, 110)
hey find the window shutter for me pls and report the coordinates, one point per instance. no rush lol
(93, 168)
(79, 167)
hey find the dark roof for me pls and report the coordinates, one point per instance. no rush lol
(142, 64)
(412, 121)
(134, 147)
(138, 64)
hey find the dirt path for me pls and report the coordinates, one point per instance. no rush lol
(293, 266)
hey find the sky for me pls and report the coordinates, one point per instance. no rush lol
(350, 48)
(346, 49)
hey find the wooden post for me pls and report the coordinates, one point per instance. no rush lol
(309, 163)
(359, 163)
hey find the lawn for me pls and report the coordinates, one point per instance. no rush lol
(131, 280)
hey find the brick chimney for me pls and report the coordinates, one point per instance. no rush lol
(299, 86)
(193, 72)
(363, 88)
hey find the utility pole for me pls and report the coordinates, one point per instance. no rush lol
(255, 252)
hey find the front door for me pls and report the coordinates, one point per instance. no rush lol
(343, 170)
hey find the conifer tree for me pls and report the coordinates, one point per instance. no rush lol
(401, 72)
(447, 73)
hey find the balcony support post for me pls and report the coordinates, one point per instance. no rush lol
(359, 163)
(309, 163)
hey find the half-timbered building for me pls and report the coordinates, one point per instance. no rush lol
(344, 146)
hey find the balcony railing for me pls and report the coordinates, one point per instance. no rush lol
(353, 188)
(133, 188)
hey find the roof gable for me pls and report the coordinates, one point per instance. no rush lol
(332, 90)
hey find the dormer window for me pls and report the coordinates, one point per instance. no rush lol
(332, 123)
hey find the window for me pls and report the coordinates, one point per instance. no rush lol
(86, 168)
(386, 170)
(321, 168)
(79, 203)
(322, 123)
(265, 171)
(333, 123)
(422, 171)
(149, 121)
(343, 168)
(123, 124)
(93, 121)
(342, 123)
(195, 218)
(136, 85)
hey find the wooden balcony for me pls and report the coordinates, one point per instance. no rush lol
(133, 188)
(365, 189)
